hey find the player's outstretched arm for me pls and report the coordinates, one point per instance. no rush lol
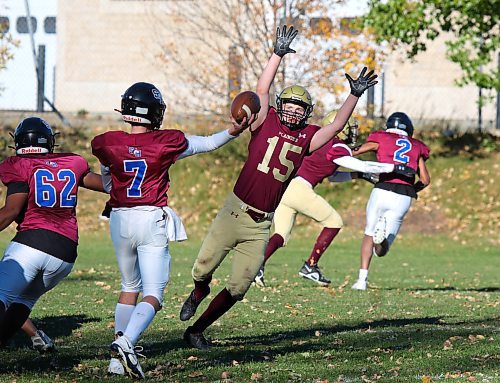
(284, 37)
(369, 166)
(204, 144)
(358, 86)
(366, 147)
(349, 176)
(93, 181)
(14, 204)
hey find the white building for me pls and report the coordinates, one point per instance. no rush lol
(18, 82)
(105, 45)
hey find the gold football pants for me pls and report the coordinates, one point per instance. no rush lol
(300, 198)
(233, 229)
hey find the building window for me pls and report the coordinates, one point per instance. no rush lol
(49, 24)
(4, 24)
(22, 25)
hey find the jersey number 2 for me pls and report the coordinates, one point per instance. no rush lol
(46, 193)
(400, 154)
(139, 168)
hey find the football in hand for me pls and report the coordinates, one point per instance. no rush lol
(244, 105)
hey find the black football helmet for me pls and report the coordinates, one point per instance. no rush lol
(142, 104)
(401, 121)
(34, 136)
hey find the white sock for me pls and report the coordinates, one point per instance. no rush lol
(139, 321)
(122, 316)
(363, 274)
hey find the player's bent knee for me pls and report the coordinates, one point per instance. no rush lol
(334, 221)
(155, 300)
(238, 291)
(237, 297)
(29, 303)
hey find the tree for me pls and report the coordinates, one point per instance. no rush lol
(236, 37)
(6, 45)
(473, 25)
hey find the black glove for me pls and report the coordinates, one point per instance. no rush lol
(370, 177)
(362, 83)
(283, 40)
(107, 210)
(419, 186)
(404, 170)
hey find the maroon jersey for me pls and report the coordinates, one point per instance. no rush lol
(395, 148)
(53, 181)
(139, 164)
(274, 154)
(316, 167)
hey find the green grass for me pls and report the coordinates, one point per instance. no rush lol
(431, 314)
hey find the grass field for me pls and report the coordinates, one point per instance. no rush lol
(430, 315)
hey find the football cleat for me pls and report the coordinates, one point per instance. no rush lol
(115, 367)
(42, 343)
(189, 307)
(123, 350)
(259, 278)
(196, 340)
(360, 285)
(314, 274)
(380, 231)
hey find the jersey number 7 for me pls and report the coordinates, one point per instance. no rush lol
(138, 167)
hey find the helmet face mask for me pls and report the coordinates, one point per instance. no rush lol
(290, 102)
(349, 134)
(34, 135)
(142, 104)
(401, 121)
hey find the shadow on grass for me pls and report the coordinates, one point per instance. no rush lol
(56, 326)
(169, 354)
(18, 357)
(363, 340)
(447, 288)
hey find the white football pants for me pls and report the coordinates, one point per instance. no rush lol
(140, 240)
(392, 206)
(26, 274)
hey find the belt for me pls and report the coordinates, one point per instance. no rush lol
(257, 215)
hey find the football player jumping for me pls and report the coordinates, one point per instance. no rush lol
(280, 139)
(42, 189)
(391, 197)
(135, 167)
(300, 197)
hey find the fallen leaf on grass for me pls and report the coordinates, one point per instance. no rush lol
(447, 345)
(195, 374)
(225, 375)
(475, 338)
(426, 379)
(256, 376)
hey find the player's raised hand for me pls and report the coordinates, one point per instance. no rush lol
(238, 128)
(404, 170)
(362, 83)
(284, 38)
